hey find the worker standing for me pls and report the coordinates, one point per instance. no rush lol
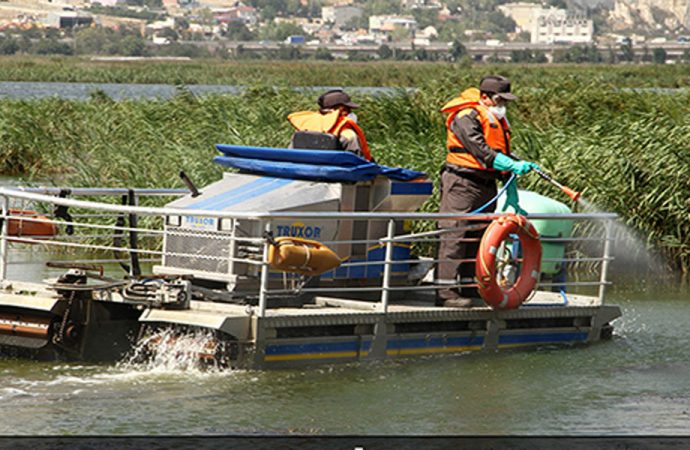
(478, 144)
(335, 119)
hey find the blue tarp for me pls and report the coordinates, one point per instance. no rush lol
(326, 165)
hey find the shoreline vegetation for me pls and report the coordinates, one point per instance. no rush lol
(324, 73)
(628, 150)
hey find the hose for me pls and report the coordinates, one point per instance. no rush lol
(500, 192)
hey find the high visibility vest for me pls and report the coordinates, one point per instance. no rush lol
(331, 123)
(496, 131)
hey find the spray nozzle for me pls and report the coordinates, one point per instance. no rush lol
(574, 195)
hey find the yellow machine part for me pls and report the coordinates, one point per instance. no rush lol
(302, 256)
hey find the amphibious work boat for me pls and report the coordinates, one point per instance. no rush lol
(293, 258)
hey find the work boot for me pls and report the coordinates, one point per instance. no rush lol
(459, 302)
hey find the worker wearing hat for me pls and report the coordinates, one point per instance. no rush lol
(478, 145)
(334, 117)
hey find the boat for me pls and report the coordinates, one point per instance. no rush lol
(293, 258)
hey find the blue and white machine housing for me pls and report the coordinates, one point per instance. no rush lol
(285, 180)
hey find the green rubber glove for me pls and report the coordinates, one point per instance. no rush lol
(512, 199)
(503, 162)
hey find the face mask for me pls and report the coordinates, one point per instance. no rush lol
(498, 111)
(352, 116)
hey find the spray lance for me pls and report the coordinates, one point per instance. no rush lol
(574, 195)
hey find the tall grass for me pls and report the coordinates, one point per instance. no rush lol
(330, 73)
(627, 150)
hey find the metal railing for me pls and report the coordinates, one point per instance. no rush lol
(91, 212)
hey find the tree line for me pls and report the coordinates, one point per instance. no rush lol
(125, 41)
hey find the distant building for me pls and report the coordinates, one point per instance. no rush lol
(68, 19)
(427, 33)
(548, 26)
(385, 25)
(421, 4)
(159, 40)
(557, 26)
(340, 15)
(160, 25)
(206, 30)
(238, 13)
(445, 14)
(108, 2)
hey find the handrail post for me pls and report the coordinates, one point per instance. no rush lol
(232, 248)
(134, 266)
(608, 225)
(263, 288)
(387, 266)
(4, 227)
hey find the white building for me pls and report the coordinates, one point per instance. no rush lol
(340, 15)
(387, 24)
(547, 26)
(68, 19)
(107, 2)
(557, 26)
(427, 33)
(421, 4)
(160, 25)
(240, 12)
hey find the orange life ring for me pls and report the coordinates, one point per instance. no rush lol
(490, 290)
(38, 226)
(303, 256)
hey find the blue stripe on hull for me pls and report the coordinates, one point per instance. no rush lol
(411, 346)
(561, 337)
(321, 347)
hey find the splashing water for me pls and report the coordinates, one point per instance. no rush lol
(170, 350)
(629, 249)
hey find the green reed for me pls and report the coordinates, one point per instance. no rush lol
(627, 150)
(331, 73)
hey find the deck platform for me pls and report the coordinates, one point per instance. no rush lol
(341, 330)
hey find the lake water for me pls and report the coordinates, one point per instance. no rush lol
(635, 384)
(124, 91)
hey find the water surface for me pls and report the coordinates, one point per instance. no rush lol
(21, 90)
(635, 384)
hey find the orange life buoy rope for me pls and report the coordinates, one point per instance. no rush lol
(497, 232)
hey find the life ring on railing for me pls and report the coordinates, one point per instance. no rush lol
(303, 256)
(38, 226)
(490, 288)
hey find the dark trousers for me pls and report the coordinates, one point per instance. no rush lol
(461, 194)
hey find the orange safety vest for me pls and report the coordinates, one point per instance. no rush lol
(331, 123)
(496, 132)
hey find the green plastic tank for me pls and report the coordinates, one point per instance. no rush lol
(535, 203)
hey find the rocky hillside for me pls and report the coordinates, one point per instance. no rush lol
(671, 15)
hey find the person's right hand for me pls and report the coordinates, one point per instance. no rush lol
(503, 162)
(523, 167)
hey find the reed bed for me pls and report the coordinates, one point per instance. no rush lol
(626, 149)
(330, 73)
